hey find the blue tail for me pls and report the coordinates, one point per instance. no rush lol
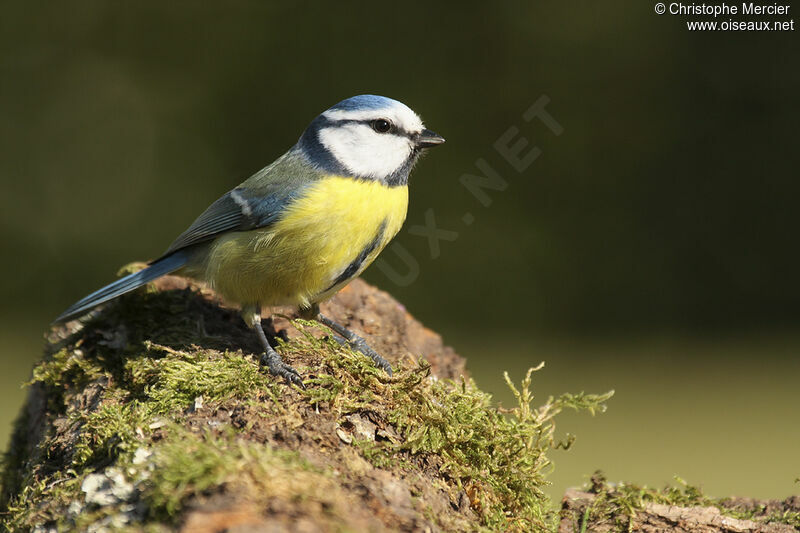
(130, 282)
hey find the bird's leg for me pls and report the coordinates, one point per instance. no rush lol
(345, 336)
(270, 358)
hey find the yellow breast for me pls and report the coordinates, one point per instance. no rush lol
(325, 238)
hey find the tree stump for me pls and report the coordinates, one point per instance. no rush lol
(153, 414)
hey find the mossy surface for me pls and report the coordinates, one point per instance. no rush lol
(616, 505)
(161, 392)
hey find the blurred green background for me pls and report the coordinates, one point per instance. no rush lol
(651, 248)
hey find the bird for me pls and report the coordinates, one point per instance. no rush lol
(300, 229)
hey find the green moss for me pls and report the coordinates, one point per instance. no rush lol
(618, 504)
(138, 384)
(497, 456)
(40, 500)
(64, 368)
(189, 464)
(165, 387)
(174, 382)
(132, 387)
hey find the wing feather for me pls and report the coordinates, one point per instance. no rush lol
(223, 215)
(256, 203)
(234, 211)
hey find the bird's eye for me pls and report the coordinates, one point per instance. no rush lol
(381, 125)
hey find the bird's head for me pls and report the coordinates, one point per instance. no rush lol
(368, 137)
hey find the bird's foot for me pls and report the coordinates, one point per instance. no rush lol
(346, 337)
(360, 345)
(272, 360)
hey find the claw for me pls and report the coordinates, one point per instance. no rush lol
(362, 346)
(277, 367)
(272, 359)
(357, 343)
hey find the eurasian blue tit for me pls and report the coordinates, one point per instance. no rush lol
(300, 229)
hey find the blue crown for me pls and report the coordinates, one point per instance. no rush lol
(365, 101)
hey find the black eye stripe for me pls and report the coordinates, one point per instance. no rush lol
(396, 130)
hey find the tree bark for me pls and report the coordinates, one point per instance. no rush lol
(580, 512)
(153, 414)
(353, 494)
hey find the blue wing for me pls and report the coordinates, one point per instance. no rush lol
(236, 210)
(256, 203)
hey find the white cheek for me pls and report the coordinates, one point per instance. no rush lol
(365, 152)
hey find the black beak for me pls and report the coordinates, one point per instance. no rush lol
(427, 138)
